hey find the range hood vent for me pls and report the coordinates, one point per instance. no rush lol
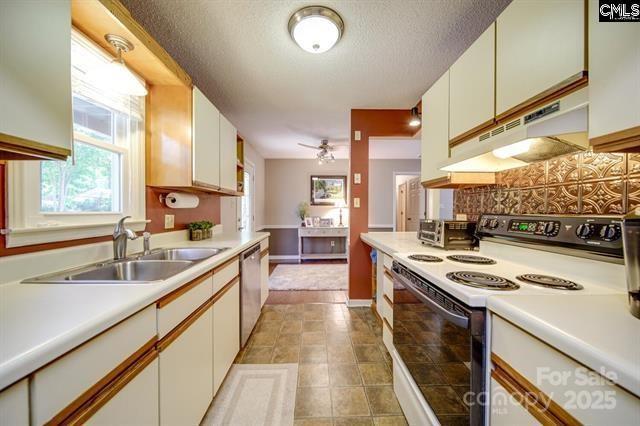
(556, 129)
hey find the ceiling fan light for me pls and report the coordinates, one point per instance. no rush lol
(316, 29)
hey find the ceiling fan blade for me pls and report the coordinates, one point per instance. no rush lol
(309, 146)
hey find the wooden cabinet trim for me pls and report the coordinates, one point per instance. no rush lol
(99, 400)
(384, 296)
(471, 133)
(539, 404)
(165, 300)
(91, 394)
(226, 288)
(461, 180)
(387, 273)
(570, 85)
(163, 343)
(11, 146)
(264, 253)
(225, 264)
(386, 323)
(622, 140)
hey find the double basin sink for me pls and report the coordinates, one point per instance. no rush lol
(154, 266)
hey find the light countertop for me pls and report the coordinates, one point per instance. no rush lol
(596, 330)
(394, 242)
(40, 322)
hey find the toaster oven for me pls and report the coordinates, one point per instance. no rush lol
(448, 234)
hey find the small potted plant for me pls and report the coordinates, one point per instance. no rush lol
(303, 211)
(195, 231)
(207, 229)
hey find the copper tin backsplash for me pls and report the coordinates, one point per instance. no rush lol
(585, 183)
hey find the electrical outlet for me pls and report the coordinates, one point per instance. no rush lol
(356, 203)
(357, 178)
(333, 243)
(357, 135)
(169, 221)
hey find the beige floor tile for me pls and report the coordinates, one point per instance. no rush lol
(289, 339)
(268, 326)
(375, 374)
(313, 375)
(390, 421)
(313, 402)
(344, 375)
(294, 315)
(272, 316)
(352, 421)
(383, 400)
(364, 338)
(313, 422)
(313, 338)
(336, 326)
(258, 355)
(313, 315)
(285, 354)
(340, 353)
(338, 337)
(313, 326)
(264, 338)
(313, 354)
(367, 353)
(349, 401)
(291, 326)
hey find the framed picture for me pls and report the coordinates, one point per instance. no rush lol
(316, 221)
(326, 222)
(328, 190)
(308, 222)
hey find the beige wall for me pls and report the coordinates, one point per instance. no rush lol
(381, 188)
(287, 184)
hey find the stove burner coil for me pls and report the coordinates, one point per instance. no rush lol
(548, 281)
(468, 258)
(482, 280)
(425, 258)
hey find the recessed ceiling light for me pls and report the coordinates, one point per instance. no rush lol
(316, 29)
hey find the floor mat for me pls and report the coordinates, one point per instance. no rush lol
(309, 277)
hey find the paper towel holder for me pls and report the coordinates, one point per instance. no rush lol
(163, 198)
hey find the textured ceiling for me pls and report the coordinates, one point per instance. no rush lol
(240, 55)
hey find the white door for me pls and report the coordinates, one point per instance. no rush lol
(246, 213)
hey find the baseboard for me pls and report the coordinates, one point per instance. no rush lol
(358, 303)
(284, 257)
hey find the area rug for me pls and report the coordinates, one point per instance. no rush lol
(255, 394)
(309, 277)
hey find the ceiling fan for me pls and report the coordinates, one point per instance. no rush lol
(325, 154)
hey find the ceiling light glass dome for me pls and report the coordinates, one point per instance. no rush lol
(316, 29)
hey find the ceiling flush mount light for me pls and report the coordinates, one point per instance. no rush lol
(316, 29)
(415, 117)
(115, 74)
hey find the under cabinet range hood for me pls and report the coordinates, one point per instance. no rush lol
(558, 128)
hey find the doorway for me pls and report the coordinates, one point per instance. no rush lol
(409, 202)
(246, 206)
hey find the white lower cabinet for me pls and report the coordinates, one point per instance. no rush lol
(264, 278)
(135, 404)
(185, 373)
(507, 411)
(14, 404)
(226, 333)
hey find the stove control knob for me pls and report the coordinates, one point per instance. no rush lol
(550, 229)
(584, 231)
(610, 232)
(493, 224)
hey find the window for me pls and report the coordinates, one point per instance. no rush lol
(101, 182)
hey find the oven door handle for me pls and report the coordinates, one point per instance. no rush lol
(459, 320)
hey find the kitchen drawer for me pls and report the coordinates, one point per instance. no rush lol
(387, 309)
(179, 304)
(387, 286)
(264, 244)
(73, 378)
(224, 273)
(542, 366)
(324, 232)
(14, 404)
(387, 335)
(388, 261)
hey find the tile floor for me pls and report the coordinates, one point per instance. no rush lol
(344, 370)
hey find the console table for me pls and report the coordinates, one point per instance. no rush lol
(323, 242)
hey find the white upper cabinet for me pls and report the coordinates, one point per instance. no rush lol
(435, 129)
(35, 78)
(228, 155)
(205, 140)
(540, 46)
(472, 89)
(614, 82)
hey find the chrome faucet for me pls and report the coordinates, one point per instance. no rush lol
(146, 240)
(120, 237)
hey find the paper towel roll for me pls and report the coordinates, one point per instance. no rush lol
(179, 200)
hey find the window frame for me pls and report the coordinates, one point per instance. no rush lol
(28, 225)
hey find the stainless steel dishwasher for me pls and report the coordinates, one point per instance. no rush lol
(249, 291)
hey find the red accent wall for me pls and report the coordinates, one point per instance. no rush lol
(370, 122)
(209, 209)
